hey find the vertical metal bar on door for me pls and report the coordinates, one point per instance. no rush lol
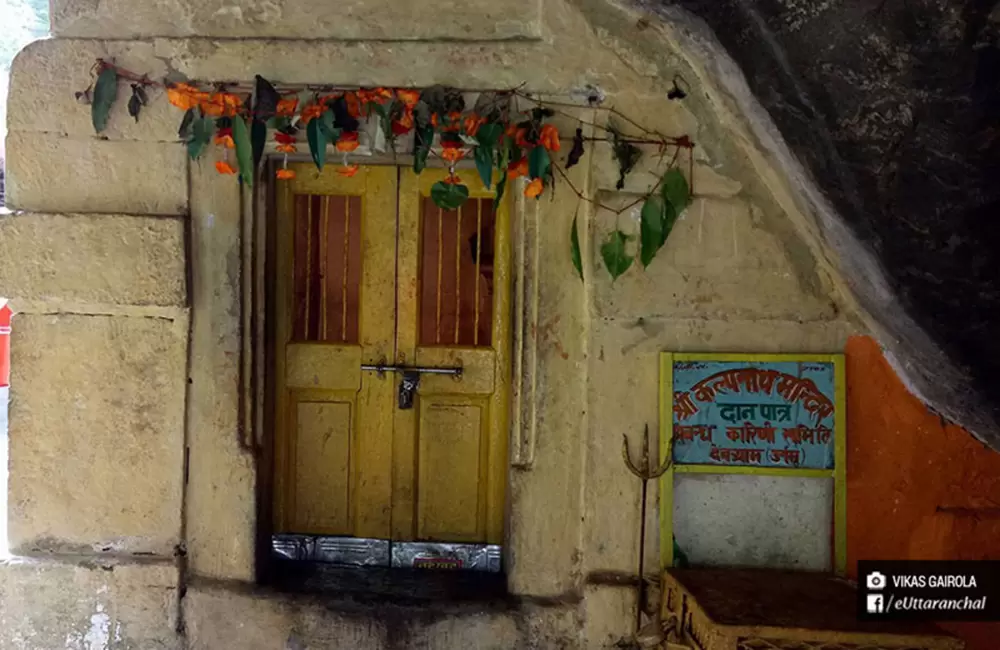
(479, 256)
(343, 286)
(440, 251)
(458, 272)
(324, 267)
(309, 223)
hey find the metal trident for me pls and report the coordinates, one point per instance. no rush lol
(645, 474)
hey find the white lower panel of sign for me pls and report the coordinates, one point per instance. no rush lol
(356, 551)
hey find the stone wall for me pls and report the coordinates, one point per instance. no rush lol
(128, 268)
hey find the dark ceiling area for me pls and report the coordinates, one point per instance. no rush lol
(894, 108)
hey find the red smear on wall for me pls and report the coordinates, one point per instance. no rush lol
(917, 488)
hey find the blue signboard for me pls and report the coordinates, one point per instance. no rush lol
(754, 413)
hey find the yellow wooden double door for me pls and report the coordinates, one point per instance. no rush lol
(369, 271)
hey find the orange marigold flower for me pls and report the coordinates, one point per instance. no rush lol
(225, 138)
(353, 104)
(549, 138)
(472, 124)
(375, 95)
(519, 133)
(452, 154)
(452, 179)
(287, 107)
(185, 96)
(221, 105)
(348, 170)
(286, 148)
(404, 124)
(223, 167)
(517, 168)
(284, 174)
(311, 111)
(348, 141)
(534, 188)
(409, 98)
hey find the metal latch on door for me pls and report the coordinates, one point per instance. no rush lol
(411, 378)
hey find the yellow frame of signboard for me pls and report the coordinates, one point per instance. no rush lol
(838, 473)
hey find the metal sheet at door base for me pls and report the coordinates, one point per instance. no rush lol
(461, 557)
(355, 551)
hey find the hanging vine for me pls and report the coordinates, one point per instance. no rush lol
(503, 141)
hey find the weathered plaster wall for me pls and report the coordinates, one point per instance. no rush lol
(127, 349)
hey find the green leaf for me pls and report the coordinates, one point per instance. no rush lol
(669, 219)
(651, 224)
(265, 99)
(503, 159)
(447, 196)
(244, 150)
(626, 153)
(136, 101)
(317, 142)
(539, 163)
(326, 124)
(279, 123)
(202, 129)
(258, 138)
(489, 134)
(616, 259)
(675, 190)
(105, 94)
(574, 249)
(184, 130)
(423, 137)
(484, 164)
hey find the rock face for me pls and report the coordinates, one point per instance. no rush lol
(892, 107)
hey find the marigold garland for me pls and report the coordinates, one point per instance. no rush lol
(505, 143)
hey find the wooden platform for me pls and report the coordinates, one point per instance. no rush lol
(746, 609)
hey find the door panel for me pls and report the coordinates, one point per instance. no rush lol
(323, 366)
(322, 462)
(335, 294)
(451, 450)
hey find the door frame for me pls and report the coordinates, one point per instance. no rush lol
(260, 253)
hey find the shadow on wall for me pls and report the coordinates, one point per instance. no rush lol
(917, 488)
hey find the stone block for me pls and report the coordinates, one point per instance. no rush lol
(45, 75)
(96, 433)
(221, 508)
(216, 617)
(96, 258)
(609, 618)
(86, 606)
(474, 20)
(50, 173)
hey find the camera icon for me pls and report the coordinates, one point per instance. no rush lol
(875, 581)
